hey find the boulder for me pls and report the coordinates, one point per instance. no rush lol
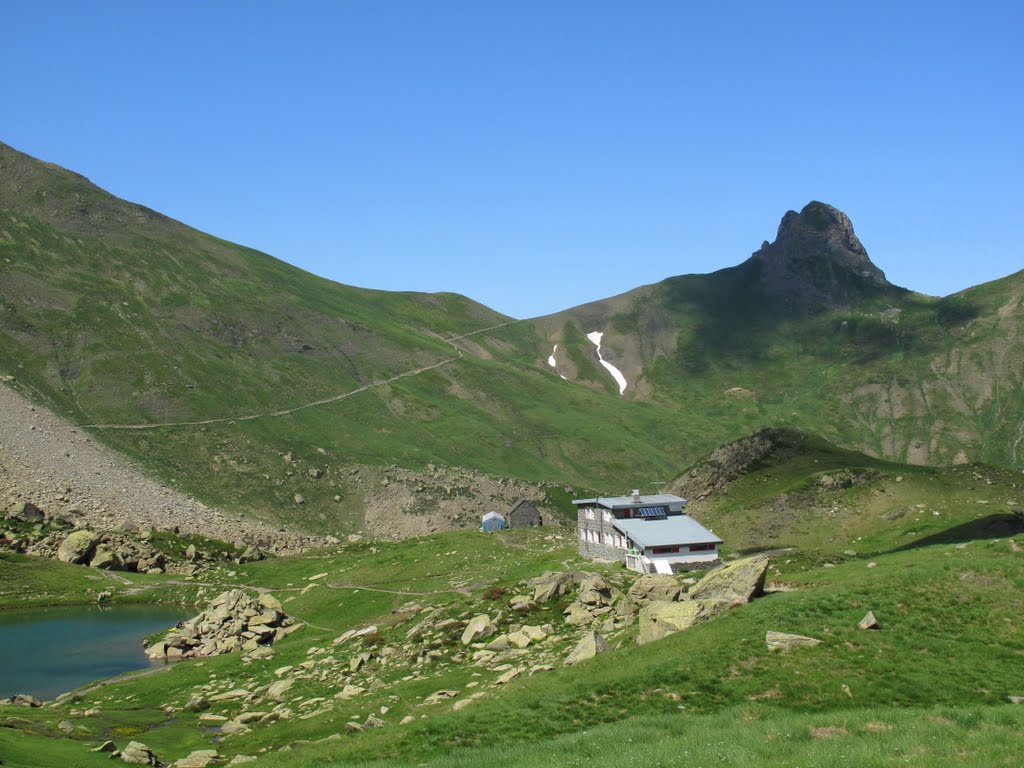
(137, 753)
(348, 692)
(549, 585)
(578, 616)
(594, 590)
(24, 700)
(26, 512)
(105, 558)
(869, 621)
(232, 728)
(359, 661)
(661, 618)
(201, 758)
(509, 676)
(499, 643)
(651, 587)
(782, 641)
(439, 696)
(522, 603)
(197, 704)
(271, 603)
(591, 645)
(519, 639)
(251, 555)
(478, 628)
(278, 689)
(77, 547)
(737, 582)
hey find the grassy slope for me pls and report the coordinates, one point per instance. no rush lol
(938, 377)
(113, 314)
(929, 688)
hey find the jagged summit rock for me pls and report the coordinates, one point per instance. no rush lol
(817, 260)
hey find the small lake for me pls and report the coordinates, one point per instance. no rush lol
(47, 651)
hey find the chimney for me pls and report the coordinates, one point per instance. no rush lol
(636, 494)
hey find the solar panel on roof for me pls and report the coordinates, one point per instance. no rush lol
(652, 512)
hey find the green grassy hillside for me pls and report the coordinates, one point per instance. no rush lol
(935, 554)
(118, 316)
(115, 315)
(897, 374)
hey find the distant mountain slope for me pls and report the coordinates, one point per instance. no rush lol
(808, 332)
(337, 409)
(116, 315)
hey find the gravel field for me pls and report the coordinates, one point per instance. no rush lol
(66, 472)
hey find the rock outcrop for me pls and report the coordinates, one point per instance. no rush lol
(233, 621)
(817, 261)
(726, 463)
(723, 588)
(736, 583)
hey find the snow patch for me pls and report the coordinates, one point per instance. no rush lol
(595, 337)
(551, 362)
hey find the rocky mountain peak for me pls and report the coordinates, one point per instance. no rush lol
(817, 260)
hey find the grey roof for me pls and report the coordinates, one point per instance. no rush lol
(678, 529)
(622, 502)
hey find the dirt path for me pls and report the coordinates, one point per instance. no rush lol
(397, 591)
(315, 403)
(282, 412)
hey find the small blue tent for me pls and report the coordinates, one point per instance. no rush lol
(493, 522)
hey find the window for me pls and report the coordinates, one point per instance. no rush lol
(664, 550)
(701, 547)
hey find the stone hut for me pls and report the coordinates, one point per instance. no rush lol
(523, 515)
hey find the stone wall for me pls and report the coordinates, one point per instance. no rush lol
(593, 549)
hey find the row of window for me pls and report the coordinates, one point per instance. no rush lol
(615, 539)
(612, 539)
(691, 548)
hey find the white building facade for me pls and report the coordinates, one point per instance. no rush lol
(650, 533)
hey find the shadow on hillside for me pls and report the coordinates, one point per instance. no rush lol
(989, 527)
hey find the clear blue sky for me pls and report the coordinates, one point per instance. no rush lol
(537, 155)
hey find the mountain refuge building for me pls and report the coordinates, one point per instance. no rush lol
(650, 533)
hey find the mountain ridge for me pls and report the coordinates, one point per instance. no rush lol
(137, 319)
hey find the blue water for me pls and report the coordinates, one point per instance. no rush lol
(47, 651)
